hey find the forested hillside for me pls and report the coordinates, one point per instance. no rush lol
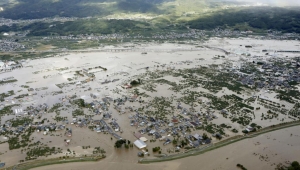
(154, 15)
(33, 9)
(287, 20)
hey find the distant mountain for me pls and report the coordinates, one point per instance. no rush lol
(33, 9)
(182, 9)
(264, 18)
(147, 15)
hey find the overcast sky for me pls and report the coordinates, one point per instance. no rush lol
(277, 2)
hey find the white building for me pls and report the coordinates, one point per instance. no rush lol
(140, 144)
(1, 65)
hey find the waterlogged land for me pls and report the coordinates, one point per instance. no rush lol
(178, 96)
(264, 151)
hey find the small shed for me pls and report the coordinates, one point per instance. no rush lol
(137, 135)
(171, 124)
(162, 138)
(143, 139)
(140, 144)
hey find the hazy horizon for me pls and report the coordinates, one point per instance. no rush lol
(275, 2)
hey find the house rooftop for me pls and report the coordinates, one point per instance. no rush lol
(140, 144)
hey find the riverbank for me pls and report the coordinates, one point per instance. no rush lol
(217, 145)
(193, 152)
(264, 151)
(49, 162)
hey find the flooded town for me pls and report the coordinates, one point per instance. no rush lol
(140, 102)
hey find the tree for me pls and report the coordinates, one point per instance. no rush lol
(119, 143)
(155, 149)
(175, 141)
(134, 83)
(218, 136)
(295, 164)
(126, 146)
(183, 143)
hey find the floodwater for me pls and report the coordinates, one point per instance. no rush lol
(48, 72)
(262, 152)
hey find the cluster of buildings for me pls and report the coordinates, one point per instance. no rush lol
(221, 32)
(174, 35)
(10, 45)
(8, 127)
(161, 129)
(192, 33)
(81, 122)
(102, 126)
(30, 116)
(159, 36)
(9, 65)
(270, 34)
(32, 111)
(39, 126)
(146, 125)
(273, 76)
(10, 22)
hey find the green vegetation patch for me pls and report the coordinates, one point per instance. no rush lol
(55, 107)
(80, 103)
(20, 121)
(20, 141)
(4, 95)
(77, 112)
(162, 106)
(289, 95)
(38, 151)
(7, 81)
(233, 98)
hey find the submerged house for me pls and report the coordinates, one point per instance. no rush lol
(197, 137)
(140, 144)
